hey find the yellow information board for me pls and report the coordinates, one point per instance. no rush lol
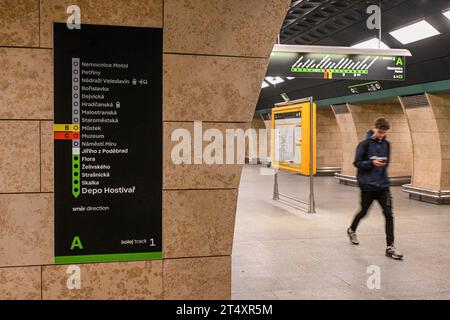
(291, 137)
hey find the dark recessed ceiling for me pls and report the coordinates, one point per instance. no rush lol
(343, 23)
(308, 22)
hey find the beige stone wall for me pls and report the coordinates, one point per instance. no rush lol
(349, 137)
(399, 136)
(441, 109)
(222, 48)
(359, 119)
(430, 132)
(329, 141)
(268, 126)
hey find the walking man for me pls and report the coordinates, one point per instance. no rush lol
(372, 160)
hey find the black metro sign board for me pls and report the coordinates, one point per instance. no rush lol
(336, 66)
(108, 143)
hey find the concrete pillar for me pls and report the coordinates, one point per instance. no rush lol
(349, 138)
(268, 126)
(329, 142)
(356, 119)
(261, 144)
(429, 121)
(210, 74)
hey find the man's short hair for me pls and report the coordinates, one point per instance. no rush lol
(382, 124)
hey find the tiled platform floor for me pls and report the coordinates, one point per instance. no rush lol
(282, 253)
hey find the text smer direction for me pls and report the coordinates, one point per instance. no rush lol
(108, 190)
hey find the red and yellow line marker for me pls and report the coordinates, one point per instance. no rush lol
(66, 128)
(66, 135)
(71, 132)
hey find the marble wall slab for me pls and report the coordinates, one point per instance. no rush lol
(441, 111)
(198, 222)
(136, 13)
(329, 140)
(26, 84)
(211, 88)
(426, 146)
(22, 283)
(26, 224)
(19, 23)
(215, 27)
(140, 280)
(349, 142)
(19, 156)
(197, 278)
(47, 155)
(364, 116)
(199, 176)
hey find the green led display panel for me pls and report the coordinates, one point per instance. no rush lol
(336, 66)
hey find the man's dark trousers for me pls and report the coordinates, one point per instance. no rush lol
(384, 198)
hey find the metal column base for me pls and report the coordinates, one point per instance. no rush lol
(264, 161)
(351, 180)
(327, 171)
(439, 197)
(347, 180)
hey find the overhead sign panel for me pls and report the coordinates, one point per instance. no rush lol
(337, 63)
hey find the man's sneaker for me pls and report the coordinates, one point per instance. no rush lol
(393, 253)
(352, 235)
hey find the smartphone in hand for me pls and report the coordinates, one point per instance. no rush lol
(379, 161)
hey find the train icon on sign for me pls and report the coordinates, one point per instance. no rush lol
(142, 82)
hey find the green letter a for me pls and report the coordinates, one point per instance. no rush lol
(76, 243)
(399, 61)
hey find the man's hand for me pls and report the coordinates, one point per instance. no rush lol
(379, 163)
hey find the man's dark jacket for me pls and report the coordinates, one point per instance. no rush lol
(371, 178)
